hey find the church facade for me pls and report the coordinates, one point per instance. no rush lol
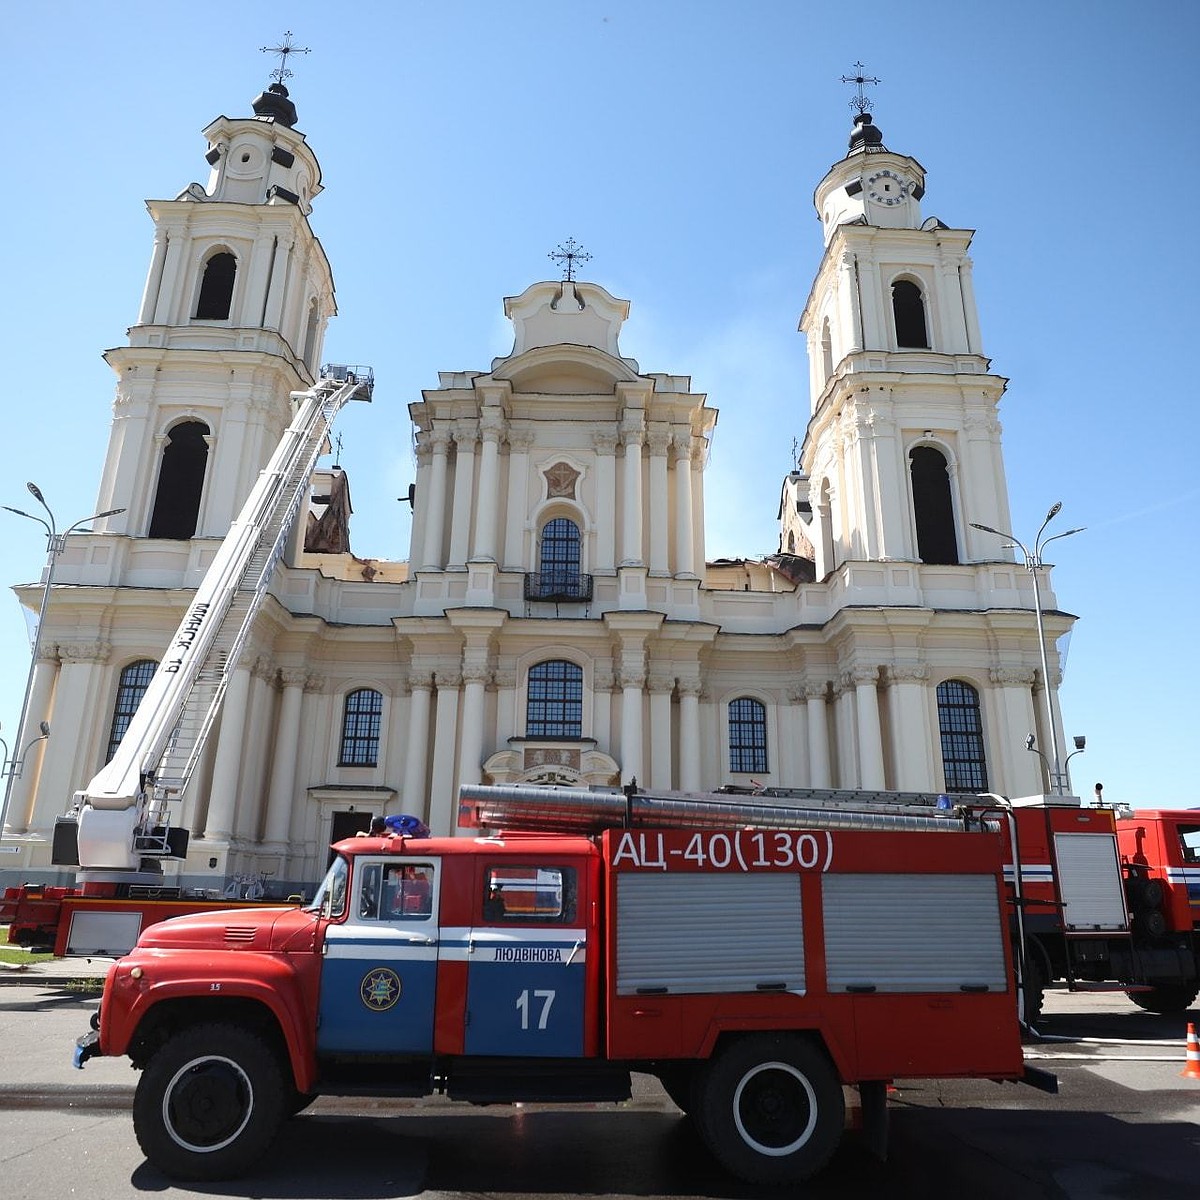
(556, 620)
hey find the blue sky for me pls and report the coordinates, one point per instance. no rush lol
(680, 143)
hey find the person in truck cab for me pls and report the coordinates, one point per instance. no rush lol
(409, 891)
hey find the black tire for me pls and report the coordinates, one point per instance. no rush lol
(209, 1102)
(677, 1083)
(1034, 984)
(1168, 999)
(770, 1108)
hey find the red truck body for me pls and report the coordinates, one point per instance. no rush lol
(754, 971)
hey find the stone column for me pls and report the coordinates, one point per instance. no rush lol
(505, 683)
(681, 458)
(443, 801)
(870, 738)
(21, 800)
(602, 725)
(658, 441)
(435, 510)
(970, 310)
(416, 541)
(414, 795)
(633, 679)
(1019, 773)
(689, 735)
(849, 333)
(154, 277)
(793, 768)
(912, 740)
(632, 436)
(277, 288)
(280, 795)
(819, 775)
(605, 443)
(475, 678)
(661, 687)
(172, 267)
(257, 736)
(466, 433)
(491, 425)
(519, 442)
(222, 804)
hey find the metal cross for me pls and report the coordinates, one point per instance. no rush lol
(567, 255)
(860, 101)
(337, 446)
(281, 72)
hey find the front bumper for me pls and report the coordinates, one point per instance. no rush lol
(88, 1046)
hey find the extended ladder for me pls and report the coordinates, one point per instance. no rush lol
(168, 731)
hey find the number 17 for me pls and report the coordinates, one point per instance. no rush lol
(547, 999)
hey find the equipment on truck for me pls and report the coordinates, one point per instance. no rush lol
(753, 956)
(120, 829)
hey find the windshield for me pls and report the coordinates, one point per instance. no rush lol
(333, 889)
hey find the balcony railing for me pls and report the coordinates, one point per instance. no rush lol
(558, 586)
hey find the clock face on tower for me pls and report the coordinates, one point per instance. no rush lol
(887, 188)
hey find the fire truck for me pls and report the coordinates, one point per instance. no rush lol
(758, 957)
(1160, 853)
(119, 831)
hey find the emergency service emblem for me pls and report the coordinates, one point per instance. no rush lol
(380, 989)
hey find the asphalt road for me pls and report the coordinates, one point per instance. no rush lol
(1125, 1124)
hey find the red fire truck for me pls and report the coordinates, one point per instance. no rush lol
(757, 959)
(1160, 851)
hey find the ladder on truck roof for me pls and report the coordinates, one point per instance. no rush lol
(529, 808)
(169, 729)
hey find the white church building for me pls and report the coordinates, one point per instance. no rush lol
(556, 619)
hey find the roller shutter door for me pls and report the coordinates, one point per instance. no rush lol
(913, 933)
(709, 933)
(1089, 879)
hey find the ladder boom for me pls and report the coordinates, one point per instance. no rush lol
(169, 729)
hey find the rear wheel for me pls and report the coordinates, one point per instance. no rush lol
(209, 1102)
(1167, 999)
(770, 1108)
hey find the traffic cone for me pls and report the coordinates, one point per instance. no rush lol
(1191, 1068)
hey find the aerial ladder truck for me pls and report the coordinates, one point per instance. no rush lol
(120, 829)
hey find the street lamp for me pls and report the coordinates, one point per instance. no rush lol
(1033, 564)
(55, 544)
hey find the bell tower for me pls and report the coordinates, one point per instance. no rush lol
(902, 450)
(232, 320)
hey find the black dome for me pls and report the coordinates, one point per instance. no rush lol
(274, 103)
(865, 135)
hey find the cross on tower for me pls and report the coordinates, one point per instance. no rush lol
(281, 72)
(567, 255)
(860, 100)
(337, 450)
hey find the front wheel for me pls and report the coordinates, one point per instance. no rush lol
(1167, 999)
(209, 1102)
(770, 1107)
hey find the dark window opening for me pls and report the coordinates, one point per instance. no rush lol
(134, 681)
(180, 482)
(933, 508)
(554, 706)
(961, 730)
(216, 288)
(747, 735)
(908, 307)
(360, 728)
(560, 552)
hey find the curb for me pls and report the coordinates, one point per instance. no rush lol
(63, 1096)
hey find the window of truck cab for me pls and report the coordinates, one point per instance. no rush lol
(396, 891)
(528, 894)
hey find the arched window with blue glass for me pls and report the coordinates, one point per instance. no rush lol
(554, 702)
(961, 728)
(559, 557)
(131, 687)
(361, 720)
(747, 735)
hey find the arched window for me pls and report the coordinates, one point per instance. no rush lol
(961, 729)
(747, 735)
(554, 706)
(933, 508)
(131, 687)
(558, 560)
(360, 728)
(180, 482)
(216, 288)
(908, 307)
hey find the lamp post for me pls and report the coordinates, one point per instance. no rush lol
(1033, 564)
(55, 544)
